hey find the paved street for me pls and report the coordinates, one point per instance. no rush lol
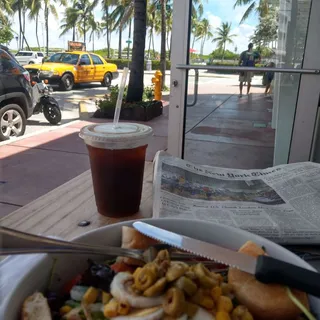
(68, 101)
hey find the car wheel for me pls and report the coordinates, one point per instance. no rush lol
(67, 82)
(107, 80)
(12, 122)
(31, 62)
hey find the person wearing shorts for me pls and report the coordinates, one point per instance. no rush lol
(248, 58)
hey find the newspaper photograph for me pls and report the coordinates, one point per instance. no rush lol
(280, 203)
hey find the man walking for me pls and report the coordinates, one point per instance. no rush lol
(248, 58)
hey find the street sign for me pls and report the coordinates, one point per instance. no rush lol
(129, 41)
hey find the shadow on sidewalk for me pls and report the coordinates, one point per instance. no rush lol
(33, 166)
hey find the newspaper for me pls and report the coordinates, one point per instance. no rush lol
(281, 203)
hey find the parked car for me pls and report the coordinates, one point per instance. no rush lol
(16, 103)
(65, 69)
(29, 57)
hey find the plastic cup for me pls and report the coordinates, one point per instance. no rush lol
(117, 158)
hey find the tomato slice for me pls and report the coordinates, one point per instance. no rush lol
(122, 267)
(68, 286)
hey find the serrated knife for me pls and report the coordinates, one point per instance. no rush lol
(266, 269)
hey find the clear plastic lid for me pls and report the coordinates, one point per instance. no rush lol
(124, 136)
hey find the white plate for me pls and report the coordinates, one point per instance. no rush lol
(69, 266)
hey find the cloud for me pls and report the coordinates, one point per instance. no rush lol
(215, 21)
(223, 12)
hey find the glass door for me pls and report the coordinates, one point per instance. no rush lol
(273, 120)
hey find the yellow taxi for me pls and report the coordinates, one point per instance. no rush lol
(66, 69)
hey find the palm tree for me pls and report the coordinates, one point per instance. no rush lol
(259, 6)
(135, 89)
(34, 7)
(121, 16)
(152, 23)
(96, 29)
(163, 59)
(224, 37)
(49, 7)
(20, 7)
(5, 7)
(70, 21)
(203, 32)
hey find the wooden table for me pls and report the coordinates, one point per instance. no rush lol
(58, 212)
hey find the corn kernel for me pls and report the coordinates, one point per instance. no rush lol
(111, 309)
(238, 312)
(216, 292)
(222, 315)
(224, 304)
(106, 297)
(226, 289)
(90, 296)
(65, 309)
(207, 302)
(123, 308)
(136, 272)
(247, 316)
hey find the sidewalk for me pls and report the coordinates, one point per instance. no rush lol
(36, 164)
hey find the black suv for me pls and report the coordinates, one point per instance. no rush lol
(15, 96)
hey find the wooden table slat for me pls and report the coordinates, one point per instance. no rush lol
(58, 212)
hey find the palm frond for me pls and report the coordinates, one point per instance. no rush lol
(250, 9)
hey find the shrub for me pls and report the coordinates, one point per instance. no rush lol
(121, 63)
(110, 99)
(230, 64)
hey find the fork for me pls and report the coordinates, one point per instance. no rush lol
(11, 244)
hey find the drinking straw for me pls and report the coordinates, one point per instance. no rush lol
(120, 97)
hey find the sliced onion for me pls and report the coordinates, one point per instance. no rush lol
(202, 314)
(146, 314)
(120, 290)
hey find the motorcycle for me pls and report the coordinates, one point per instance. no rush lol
(43, 101)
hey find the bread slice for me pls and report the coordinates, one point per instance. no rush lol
(36, 307)
(264, 301)
(133, 239)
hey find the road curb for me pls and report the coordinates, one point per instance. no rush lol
(3, 143)
(86, 110)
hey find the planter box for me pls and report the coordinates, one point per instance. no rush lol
(144, 111)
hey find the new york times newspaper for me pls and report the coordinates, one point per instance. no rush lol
(281, 203)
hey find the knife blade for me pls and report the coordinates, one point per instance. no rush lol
(265, 268)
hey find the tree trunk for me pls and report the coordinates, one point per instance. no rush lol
(163, 42)
(93, 41)
(128, 51)
(20, 24)
(135, 89)
(84, 31)
(46, 17)
(193, 41)
(150, 39)
(23, 26)
(120, 43)
(170, 46)
(154, 52)
(74, 33)
(37, 36)
(107, 29)
(224, 50)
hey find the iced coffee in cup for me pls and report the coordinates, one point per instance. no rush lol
(117, 157)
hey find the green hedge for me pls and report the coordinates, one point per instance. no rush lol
(121, 63)
(230, 64)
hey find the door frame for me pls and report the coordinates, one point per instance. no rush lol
(304, 123)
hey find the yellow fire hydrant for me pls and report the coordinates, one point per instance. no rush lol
(157, 81)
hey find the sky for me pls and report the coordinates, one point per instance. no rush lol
(217, 11)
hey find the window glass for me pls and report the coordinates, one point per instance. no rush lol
(7, 64)
(24, 54)
(70, 58)
(96, 59)
(40, 54)
(85, 60)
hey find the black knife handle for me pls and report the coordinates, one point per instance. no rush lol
(270, 270)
